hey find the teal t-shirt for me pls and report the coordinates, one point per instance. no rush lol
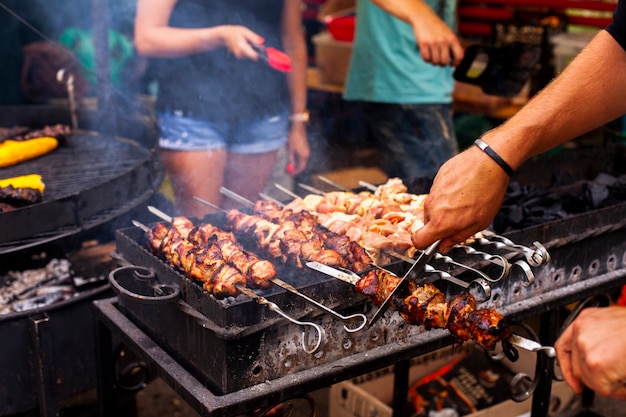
(386, 65)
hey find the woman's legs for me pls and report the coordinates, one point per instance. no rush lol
(195, 174)
(247, 175)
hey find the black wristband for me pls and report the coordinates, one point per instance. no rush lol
(496, 158)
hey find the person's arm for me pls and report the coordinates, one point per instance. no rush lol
(295, 46)
(591, 352)
(438, 44)
(469, 188)
(154, 37)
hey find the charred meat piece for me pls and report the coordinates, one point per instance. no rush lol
(59, 131)
(19, 197)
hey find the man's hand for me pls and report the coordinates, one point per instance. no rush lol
(591, 352)
(465, 197)
(437, 43)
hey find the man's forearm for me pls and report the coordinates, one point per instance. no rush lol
(589, 93)
(407, 11)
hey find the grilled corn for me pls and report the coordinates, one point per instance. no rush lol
(13, 152)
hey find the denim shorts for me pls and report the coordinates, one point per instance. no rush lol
(182, 133)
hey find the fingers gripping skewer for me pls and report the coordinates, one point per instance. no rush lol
(357, 320)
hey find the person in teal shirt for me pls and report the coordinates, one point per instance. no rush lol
(401, 74)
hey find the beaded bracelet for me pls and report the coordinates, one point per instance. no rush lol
(493, 155)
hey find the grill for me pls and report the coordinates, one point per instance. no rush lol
(91, 180)
(264, 351)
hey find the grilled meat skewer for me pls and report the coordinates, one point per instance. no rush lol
(212, 241)
(426, 305)
(203, 263)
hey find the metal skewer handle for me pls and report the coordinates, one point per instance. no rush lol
(536, 257)
(308, 348)
(356, 318)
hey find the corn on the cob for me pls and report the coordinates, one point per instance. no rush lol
(33, 181)
(13, 152)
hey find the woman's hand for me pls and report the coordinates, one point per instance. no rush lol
(299, 150)
(239, 40)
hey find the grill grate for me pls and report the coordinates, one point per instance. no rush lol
(89, 181)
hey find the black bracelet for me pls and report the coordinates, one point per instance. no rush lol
(496, 158)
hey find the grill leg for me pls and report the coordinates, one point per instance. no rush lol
(549, 327)
(104, 356)
(400, 387)
(43, 366)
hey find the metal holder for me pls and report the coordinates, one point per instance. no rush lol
(145, 288)
(68, 79)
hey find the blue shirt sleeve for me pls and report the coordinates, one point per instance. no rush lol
(617, 28)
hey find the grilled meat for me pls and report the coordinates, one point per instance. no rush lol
(203, 263)
(285, 242)
(308, 227)
(19, 197)
(258, 272)
(426, 305)
(59, 131)
(210, 255)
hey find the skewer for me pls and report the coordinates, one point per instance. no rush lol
(321, 336)
(286, 286)
(207, 203)
(234, 196)
(311, 189)
(451, 261)
(330, 182)
(513, 339)
(269, 198)
(498, 260)
(286, 191)
(535, 257)
(369, 186)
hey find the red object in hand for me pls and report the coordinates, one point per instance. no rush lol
(290, 169)
(276, 59)
(341, 28)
